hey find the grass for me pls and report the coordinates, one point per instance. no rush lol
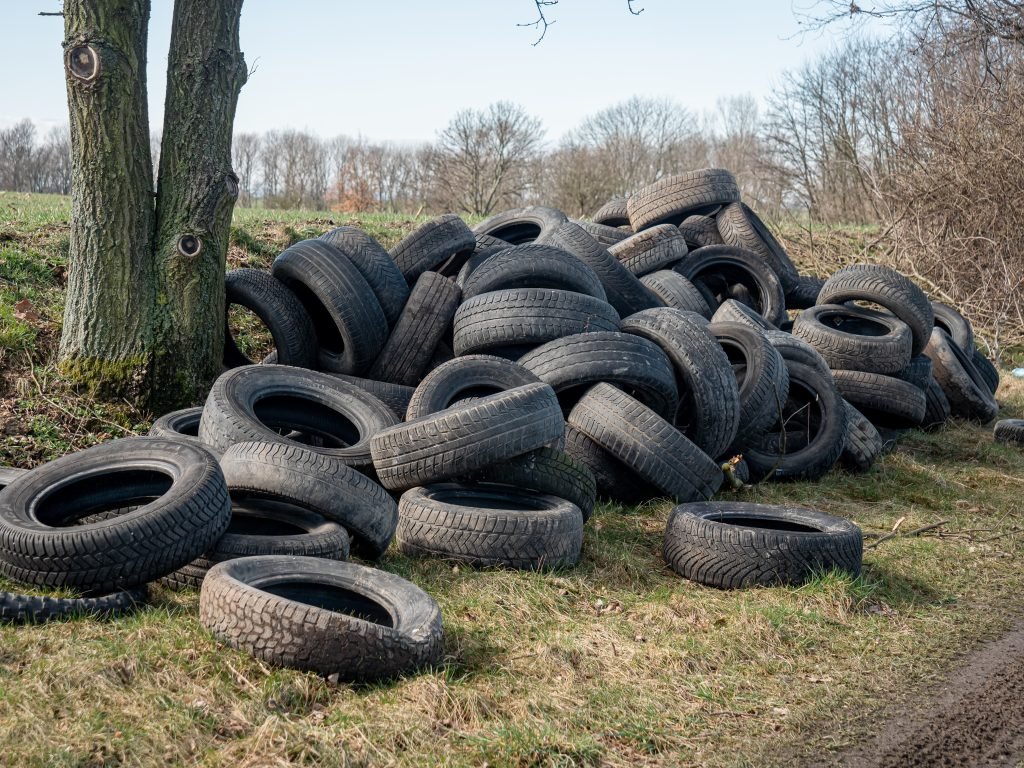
(616, 662)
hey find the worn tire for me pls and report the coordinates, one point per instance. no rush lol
(856, 339)
(181, 425)
(8, 475)
(177, 507)
(885, 400)
(804, 293)
(33, 609)
(1009, 431)
(324, 616)
(522, 225)
(280, 311)
(486, 246)
(614, 479)
(676, 291)
(732, 311)
(606, 236)
(956, 325)
(719, 267)
(656, 248)
(699, 231)
(796, 350)
(968, 395)
(988, 372)
(740, 226)
(731, 545)
(465, 377)
(918, 372)
(533, 266)
(375, 265)
(431, 245)
(490, 526)
(394, 396)
(863, 443)
(612, 214)
(673, 198)
(937, 411)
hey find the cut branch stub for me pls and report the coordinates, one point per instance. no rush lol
(83, 63)
(190, 245)
(231, 183)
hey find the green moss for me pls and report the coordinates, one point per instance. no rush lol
(108, 378)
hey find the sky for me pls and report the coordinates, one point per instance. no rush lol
(399, 70)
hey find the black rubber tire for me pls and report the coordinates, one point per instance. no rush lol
(624, 291)
(486, 246)
(1010, 431)
(375, 265)
(918, 372)
(863, 443)
(280, 311)
(814, 408)
(676, 291)
(709, 400)
(646, 443)
(34, 609)
(732, 311)
(8, 475)
(885, 400)
(462, 439)
(177, 507)
(606, 236)
(720, 267)
(673, 198)
(637, 366)
(937, 411)
(612, 214)
(955, 324)
(182, 424)
(614, 479)
(511, 322)
(856, 339)
(762, 377)
(546, 471)
(324, 616)
(350, 325)
(465, 377)
(804, 293)
(741, 227)
(431, 245)
(732, 545)
(988, 372)
(522, 225)
(965, 389)
(251, 403)
(394, 396)
(885, 286)
(533, 266)
(699, 231)
(656, 248)
(489, 525)
(425, 320)
(796, 350)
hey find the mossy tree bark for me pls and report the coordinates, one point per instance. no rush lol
(144, 317)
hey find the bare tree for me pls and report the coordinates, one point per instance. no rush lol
(245, 150)
(17, 152)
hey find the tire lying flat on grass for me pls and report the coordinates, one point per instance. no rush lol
(33, 609)
(731, 545)
(1009, 431)
(325, 616)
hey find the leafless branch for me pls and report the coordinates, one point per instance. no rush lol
(629, 4)
(541, 21)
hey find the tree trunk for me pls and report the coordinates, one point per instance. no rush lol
(196, 195)
(107, 317)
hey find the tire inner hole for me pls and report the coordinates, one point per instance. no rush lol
(100, 496)
(334, 599)
(317, 423)
(766, 523)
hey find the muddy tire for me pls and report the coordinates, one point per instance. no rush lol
(8, 475)
(324, 616)
(732, 311)
(606, 236)
(732, 545)
(969, 397)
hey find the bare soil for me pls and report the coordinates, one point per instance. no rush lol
(975, 717)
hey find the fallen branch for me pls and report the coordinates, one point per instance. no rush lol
(915, 532)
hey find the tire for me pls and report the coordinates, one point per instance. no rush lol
(988, 372)
(375, 265)
(796, 350)
(299, 476)
(431, 245)
(614, 479)
(465, 377)
(324, 616)
(918, 372)
(656, 248)
(637, 366)
(546, 471)
(709, 407)
(814, 408)
(8, 475)
(32, 609)
(464, 439)
(606, 236)
(732, 545)
(863, 443)
(181, 425)
(280, 311)
(612, 214)
(424, 321)
(1009, 431)
(732, 311)
(251, 403)
(762, 377)
(486, 526)
(885, 400)
(937, 411)
(522, 225)
(699, 231)
(673, 198)
(511, 322)
(887, 287)
(624, 291)
(741, 227)
(721, 266)
(178, 507)
(350, 325)
(646, 443)
(533, 266)
(676, 291)
(955, 324)
(968, 395)
(856, 339)
(486, 246)
(394, 396)
(804, 293)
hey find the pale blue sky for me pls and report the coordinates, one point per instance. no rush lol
(398, 69)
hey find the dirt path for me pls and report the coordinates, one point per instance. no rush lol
(975, 718)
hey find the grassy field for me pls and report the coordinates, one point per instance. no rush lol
(616, 662)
